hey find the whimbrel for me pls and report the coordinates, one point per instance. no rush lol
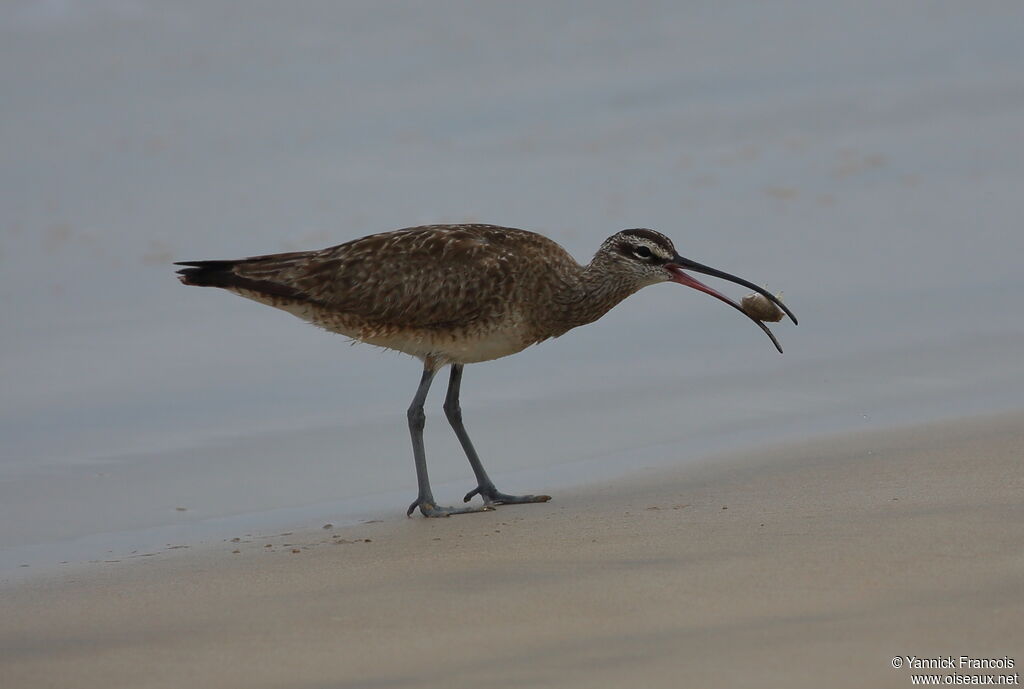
(456, 295)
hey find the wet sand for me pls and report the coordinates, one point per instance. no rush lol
(808, 565)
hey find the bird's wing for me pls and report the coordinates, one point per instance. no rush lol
(433, 276)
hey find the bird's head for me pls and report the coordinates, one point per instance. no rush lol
(646, 257)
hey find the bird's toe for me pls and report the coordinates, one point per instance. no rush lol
(429, 509)
(492, 496)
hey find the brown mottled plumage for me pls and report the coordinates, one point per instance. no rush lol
(455, 294)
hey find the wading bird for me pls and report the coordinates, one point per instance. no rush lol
(456, 295)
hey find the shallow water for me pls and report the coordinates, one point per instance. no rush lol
(864, 159)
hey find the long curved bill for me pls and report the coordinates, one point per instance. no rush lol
(676, 269)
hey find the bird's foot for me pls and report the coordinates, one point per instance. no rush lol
(492, 496)
(429, 509)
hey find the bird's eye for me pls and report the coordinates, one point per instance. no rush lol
(641, 252)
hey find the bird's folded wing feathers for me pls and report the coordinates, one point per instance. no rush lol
(416, 278)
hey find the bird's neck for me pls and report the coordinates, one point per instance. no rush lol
(594, 290)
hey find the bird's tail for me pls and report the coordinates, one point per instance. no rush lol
(208, 273)
(266, 275)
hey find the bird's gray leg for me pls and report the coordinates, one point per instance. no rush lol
(417, 419)
(485, 487)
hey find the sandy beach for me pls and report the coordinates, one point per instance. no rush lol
(863, 159)
(803, 565)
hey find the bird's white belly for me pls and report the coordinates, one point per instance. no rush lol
(462, 346)
(449, 348)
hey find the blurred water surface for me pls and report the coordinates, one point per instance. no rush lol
(863, 158)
